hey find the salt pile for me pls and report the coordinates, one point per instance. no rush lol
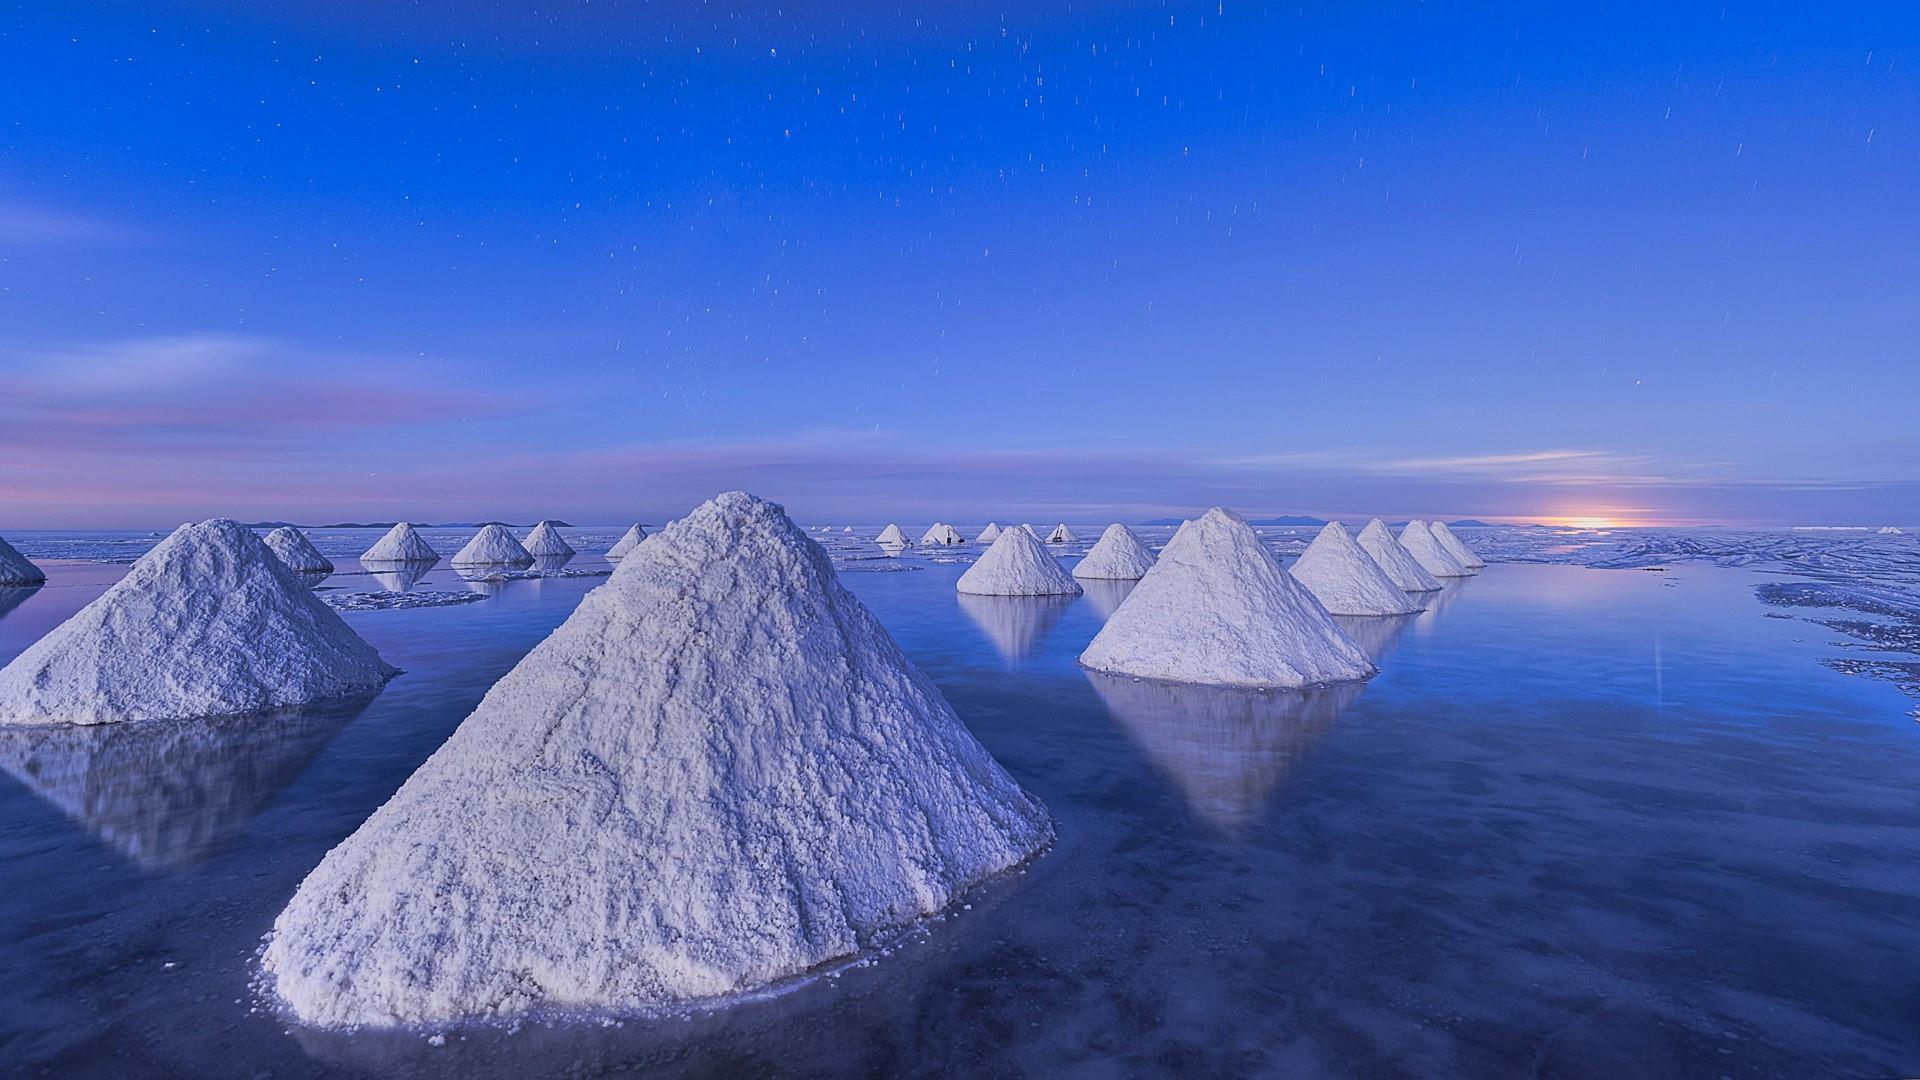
(208, 623)
(493, 546)
(891, 536)
(1062, 535)
(16, 570)
(626, 544)
(1017, 565)
(1395, 561)
(1119, 555)
(1345, 579)
(294, 549)
(1428, 552)
(989, 534)
(942, 533)
(546, 540)
(402, 543)
(1456, 547)
(1885, 530)
(718, 773)
(1217, 608)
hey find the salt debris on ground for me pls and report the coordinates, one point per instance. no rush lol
(1017, 565)
(989, 534)
(208, 623)
(16, 570)
(403, 543)
(625, 545)
(1427, 550)
(942, 533)
(546, 540)
(1395, 561)
(1346, 580)
(1456, 547)
(1119, 555)
(1062, 535)
(720, 772)
(891, 536)
(1217, 608)
(493, 545)
(298, 552)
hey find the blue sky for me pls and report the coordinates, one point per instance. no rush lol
(1644, 262)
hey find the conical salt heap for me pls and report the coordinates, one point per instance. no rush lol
(1217, 608)
(626, 544)
(989, 534)
(1017, 565)
(293, 548)
(546, 540)
(493, 545)
(1426, 550)
(1456, 547)
(1395, 561)
(403, 543)
(1118, 556)
(719, 772)
(16, 570)
(1062, 535)
(891, 536)
(208, 623)
(1346, 580)
(942, 533)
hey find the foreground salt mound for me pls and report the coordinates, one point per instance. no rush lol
(1456, 547)
(942, 533)
(625, 545)
(403, 543)
(493, 546)
(1345, 579)
(989, 534)
(293, 548)
(16, 570)
(546, 540)
(1017, 565)
(1062, 535)
(1395, 561)
(208, 623)
(1119, 555)
(891, 536)
(719, 772)
(1217, 608)
(1427, 550)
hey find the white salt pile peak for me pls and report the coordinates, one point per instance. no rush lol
(892, 536)
(989, 534)
(1346, 580)
(403, 543)
(208, 623)
(546, 540)
(1428, 552)
(1885, 530)
(942, 533)
(1062, 535)
(1119, 555)
(627, 543)
(298, 552)
(1217, 608)
(1456, 547)
(1017, 565)
(493, 546)
(16, 570)
(718, 773)
(1395, 561)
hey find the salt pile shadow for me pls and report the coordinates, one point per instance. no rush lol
(12, 596)
(1376, 633)
(169, 794)
(1226, 749)
(1106, 594)
(1015, 624)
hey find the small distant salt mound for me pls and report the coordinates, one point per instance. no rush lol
(294, 549)
(1886, 530)
(546, 540)
(1062, 535)
(1119, 555)
(1456, 547)
(1217, 608)
(718, 773)
(989, 534)
(208, 623)
(1427, 550)
(847, 529)
(942, 533)
(403, 543)
(1017, 565)
(891, 536)
(1395, 561)
(493, 546)
(16, 570)
(1346, 580)
(627, 543)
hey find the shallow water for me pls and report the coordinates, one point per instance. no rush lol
(1585, 822)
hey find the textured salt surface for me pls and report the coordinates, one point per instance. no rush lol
(297, 552)
(718, 773)
(1455, 546)
(627, 543)
(402, 544)
(989, 534)
(1346, 580)
(493, 546)
(1395, 561)
(546, 540)
(1017, 565)
(1061, 535)
(1428, 552)
(1119, 555)
(397, 601)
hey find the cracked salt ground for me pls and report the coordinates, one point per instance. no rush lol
(1580, 823)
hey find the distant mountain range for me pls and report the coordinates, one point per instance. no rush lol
(417, 525)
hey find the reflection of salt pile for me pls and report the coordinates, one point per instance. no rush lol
(1456, 547)
(719, 772)
(1105, 595)
(1119, 556)
(1217, 608)
(1015, 624)
(14, 595)
(208, 623)
(989, 534)
(403, 543)
(1062, 535)
(1375, 633)
(399, 577)
(1438, 603)
(293, 548)
(1016, 565)
(1427, 551)
(16, 570)
(169, 793)
(1345, 579)
(1395, 561)
(493, 546)
(546, 540)
(626, 543)
(942, 533)
(547, 564)
(1226, 748)
(891, 536)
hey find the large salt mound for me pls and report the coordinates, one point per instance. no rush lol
(1119, 555)
(1062, 535)
(1428, 552)
(626, 544)
(1345, 579)
(1017, 565)
(546, 540)
(16, 570)
(719, 772)
(891, 536)
(208, 623)
(942, 533)
(1456, 547)
(1395, 561)
(294, 549)
(989, 534)
(1217, 608)
(493, 545)
(403, 543)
